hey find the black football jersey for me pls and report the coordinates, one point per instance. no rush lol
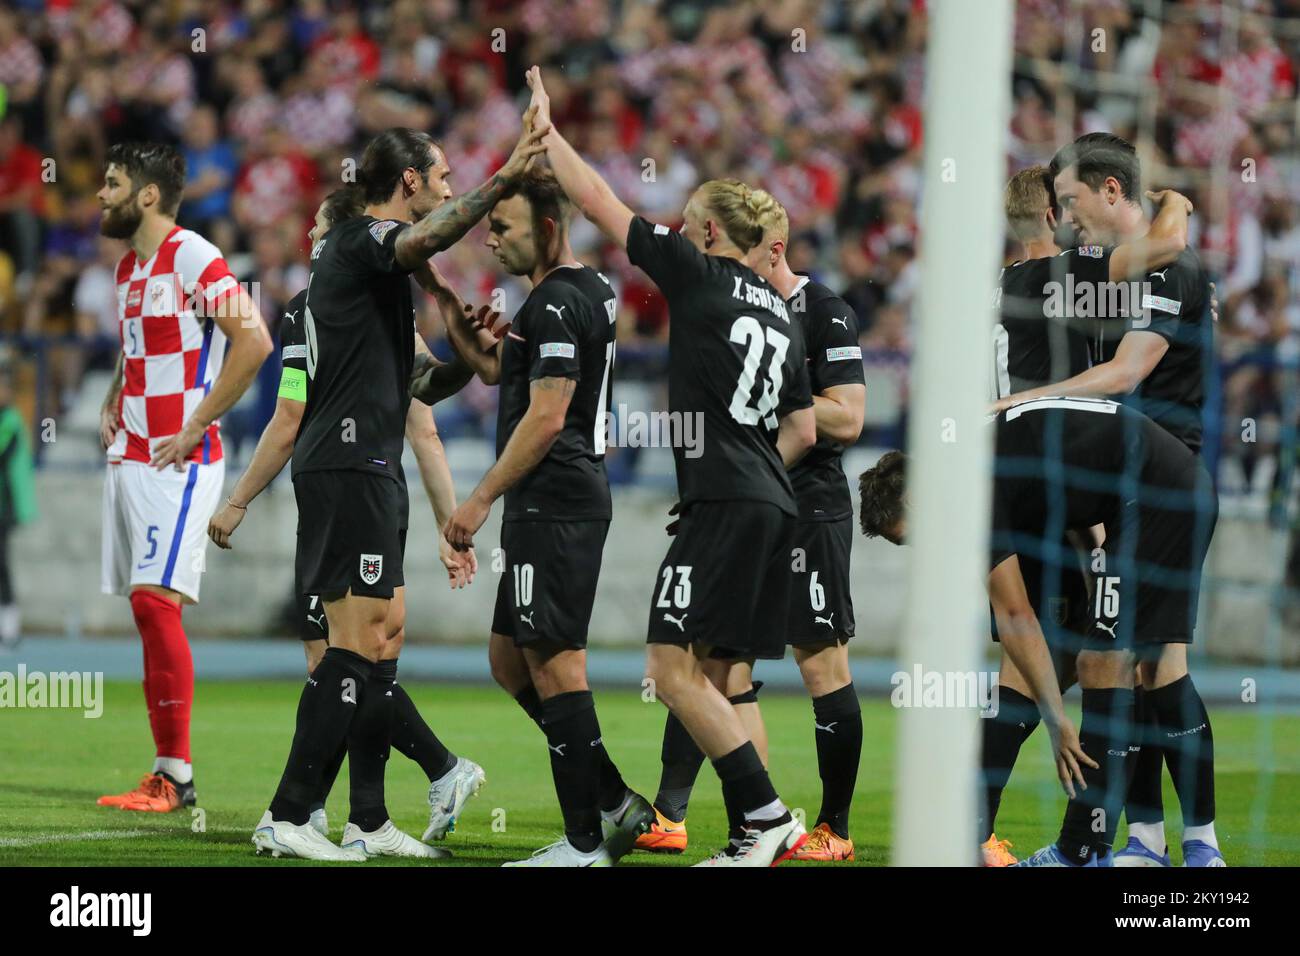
(359, 327)
(565, 329)
(1174, 303)
(736, 366)
(1032, 346)
(830, 334)
(1070, 463)
(293, 357)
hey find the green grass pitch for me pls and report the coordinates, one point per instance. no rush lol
(58, 762)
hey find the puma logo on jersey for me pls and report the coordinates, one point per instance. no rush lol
(319, 620)
(844, 322)
(1161, 273)
(829, 728)
(290, 315)
(1108, 628)
(825, 620)
(558, 748)
(558, 310)
(527, 618)
(681, 624)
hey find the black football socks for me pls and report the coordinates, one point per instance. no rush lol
(1188, 745)
(415, 739)
(573, 739)
(369, 742)
(681, 760)
(613, 789)
(326, 710)
(837, 728)
(1003, 735)
(1145, 803)
(747, 790)
(1105, 733)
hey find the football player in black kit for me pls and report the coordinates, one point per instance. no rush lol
(1158, 357)
(1074, 463)
(360, 337)
(820, 620)
(1035, 344)
(736, 361)
(452, 780)
(555, 368)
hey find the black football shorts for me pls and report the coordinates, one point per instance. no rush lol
(312, 623)
(821, 605)
(349, 533)
(1147, 591)
(726, 580)
(549, 586)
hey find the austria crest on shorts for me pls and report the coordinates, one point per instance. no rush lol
(372, 566)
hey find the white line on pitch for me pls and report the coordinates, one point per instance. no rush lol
(11, 843)
(40, 838)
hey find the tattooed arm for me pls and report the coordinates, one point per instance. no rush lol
(446, 224)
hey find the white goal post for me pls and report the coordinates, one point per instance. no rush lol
(968, 69)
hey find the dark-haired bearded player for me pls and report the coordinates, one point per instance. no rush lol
(452, 780)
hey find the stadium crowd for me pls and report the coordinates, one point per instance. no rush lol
(820, 102)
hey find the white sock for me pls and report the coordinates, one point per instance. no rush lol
(770, 812)
(1150, 835)
(1205, 834)
(182, 771)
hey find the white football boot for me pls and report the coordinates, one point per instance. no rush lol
(319, 821)
(564, 853)
(388, 841)
(762, 847)
(449, 794)
(280, 838)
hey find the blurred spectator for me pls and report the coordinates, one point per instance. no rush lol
(211, 167)
(22, 201)
(17, 498)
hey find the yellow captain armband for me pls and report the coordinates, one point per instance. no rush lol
(293, 384)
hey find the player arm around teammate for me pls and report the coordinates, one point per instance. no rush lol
(1140, 350)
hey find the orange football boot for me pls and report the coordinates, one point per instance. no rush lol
(997, 852)
(664, 836)
(825, 845)
(156, 793)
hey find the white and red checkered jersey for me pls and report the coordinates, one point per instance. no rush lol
(172, 348)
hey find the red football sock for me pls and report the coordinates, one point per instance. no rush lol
(169, 678)
(148, 693)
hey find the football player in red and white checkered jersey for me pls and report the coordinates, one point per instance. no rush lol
(178, 305)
